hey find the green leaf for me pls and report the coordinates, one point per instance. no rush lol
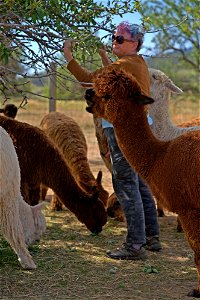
(150, 269)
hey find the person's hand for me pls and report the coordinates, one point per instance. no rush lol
(67, 44)
(68, 50)
(105, 59)
(102, 51)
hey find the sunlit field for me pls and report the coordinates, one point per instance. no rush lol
(72, 263)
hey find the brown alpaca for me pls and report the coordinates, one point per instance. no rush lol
(114, 209)
(172, 168)
(193, 122)
(10, 110)
(42, 163)
(67, 135)
(163, 128)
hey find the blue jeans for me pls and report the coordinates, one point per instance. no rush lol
(133, 194)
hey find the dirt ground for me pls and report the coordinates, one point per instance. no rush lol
(72, 263)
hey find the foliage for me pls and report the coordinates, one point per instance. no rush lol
(182, 74)
(150, 269)
(67, 87)
(34, 31)
(183, 38)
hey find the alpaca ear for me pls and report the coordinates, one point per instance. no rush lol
(89, 109)
(39, 206)
(142, 99)
(89, 94)
(173, 88)
(99, 177)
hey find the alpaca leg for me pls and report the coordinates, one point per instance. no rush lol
(179, 226)
(43, 192)
(190, 220)
(114, 209)
(160, 211)
(13, 232)
(56, 204)
(34, 196)
(158, 200)
(196, 292)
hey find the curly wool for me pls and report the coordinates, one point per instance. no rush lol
(171, 168)
(67, 135)
(42, 163)
(20, 223)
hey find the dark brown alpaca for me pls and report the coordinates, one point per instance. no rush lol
(10, 110)
(67, 135)
(114, 209)
(171, 168)
(42, 163)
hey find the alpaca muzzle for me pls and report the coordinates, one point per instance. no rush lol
(89, 94)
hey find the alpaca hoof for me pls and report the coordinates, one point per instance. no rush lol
(179, 228)
(160, 213)
(119, 218)
(28, 264)
(194, 293)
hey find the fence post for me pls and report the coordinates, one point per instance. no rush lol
(52, 88)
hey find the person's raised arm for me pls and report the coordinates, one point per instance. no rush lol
(79, 72)
(104, 57)
(68, 50)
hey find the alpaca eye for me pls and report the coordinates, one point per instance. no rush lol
(154, 76)
(106, 97)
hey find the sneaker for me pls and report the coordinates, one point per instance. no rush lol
(128, 253)
(153, 244)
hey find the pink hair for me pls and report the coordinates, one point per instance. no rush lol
(124, 27)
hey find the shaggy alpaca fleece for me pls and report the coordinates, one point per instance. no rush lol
(161, 89)
(193, 122)
(42, 163)
(172, 168)
(67, 135)
(10, 110)
(20, 223)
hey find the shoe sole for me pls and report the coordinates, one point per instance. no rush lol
(153, 249)
(128, 257)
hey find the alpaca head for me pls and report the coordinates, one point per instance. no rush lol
(10, 110)
(114, 89)
(161, 84)
(92, 212)
(33, 221)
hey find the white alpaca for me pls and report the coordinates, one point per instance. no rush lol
(163, 128)
(20, 223)
(161, 89)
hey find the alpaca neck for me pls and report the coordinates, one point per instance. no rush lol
(159, 112)
(24, 208)
(62, 182)
(136, 140)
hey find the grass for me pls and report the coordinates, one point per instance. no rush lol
(72, 263)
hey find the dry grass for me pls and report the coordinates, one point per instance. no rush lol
(72, 263)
